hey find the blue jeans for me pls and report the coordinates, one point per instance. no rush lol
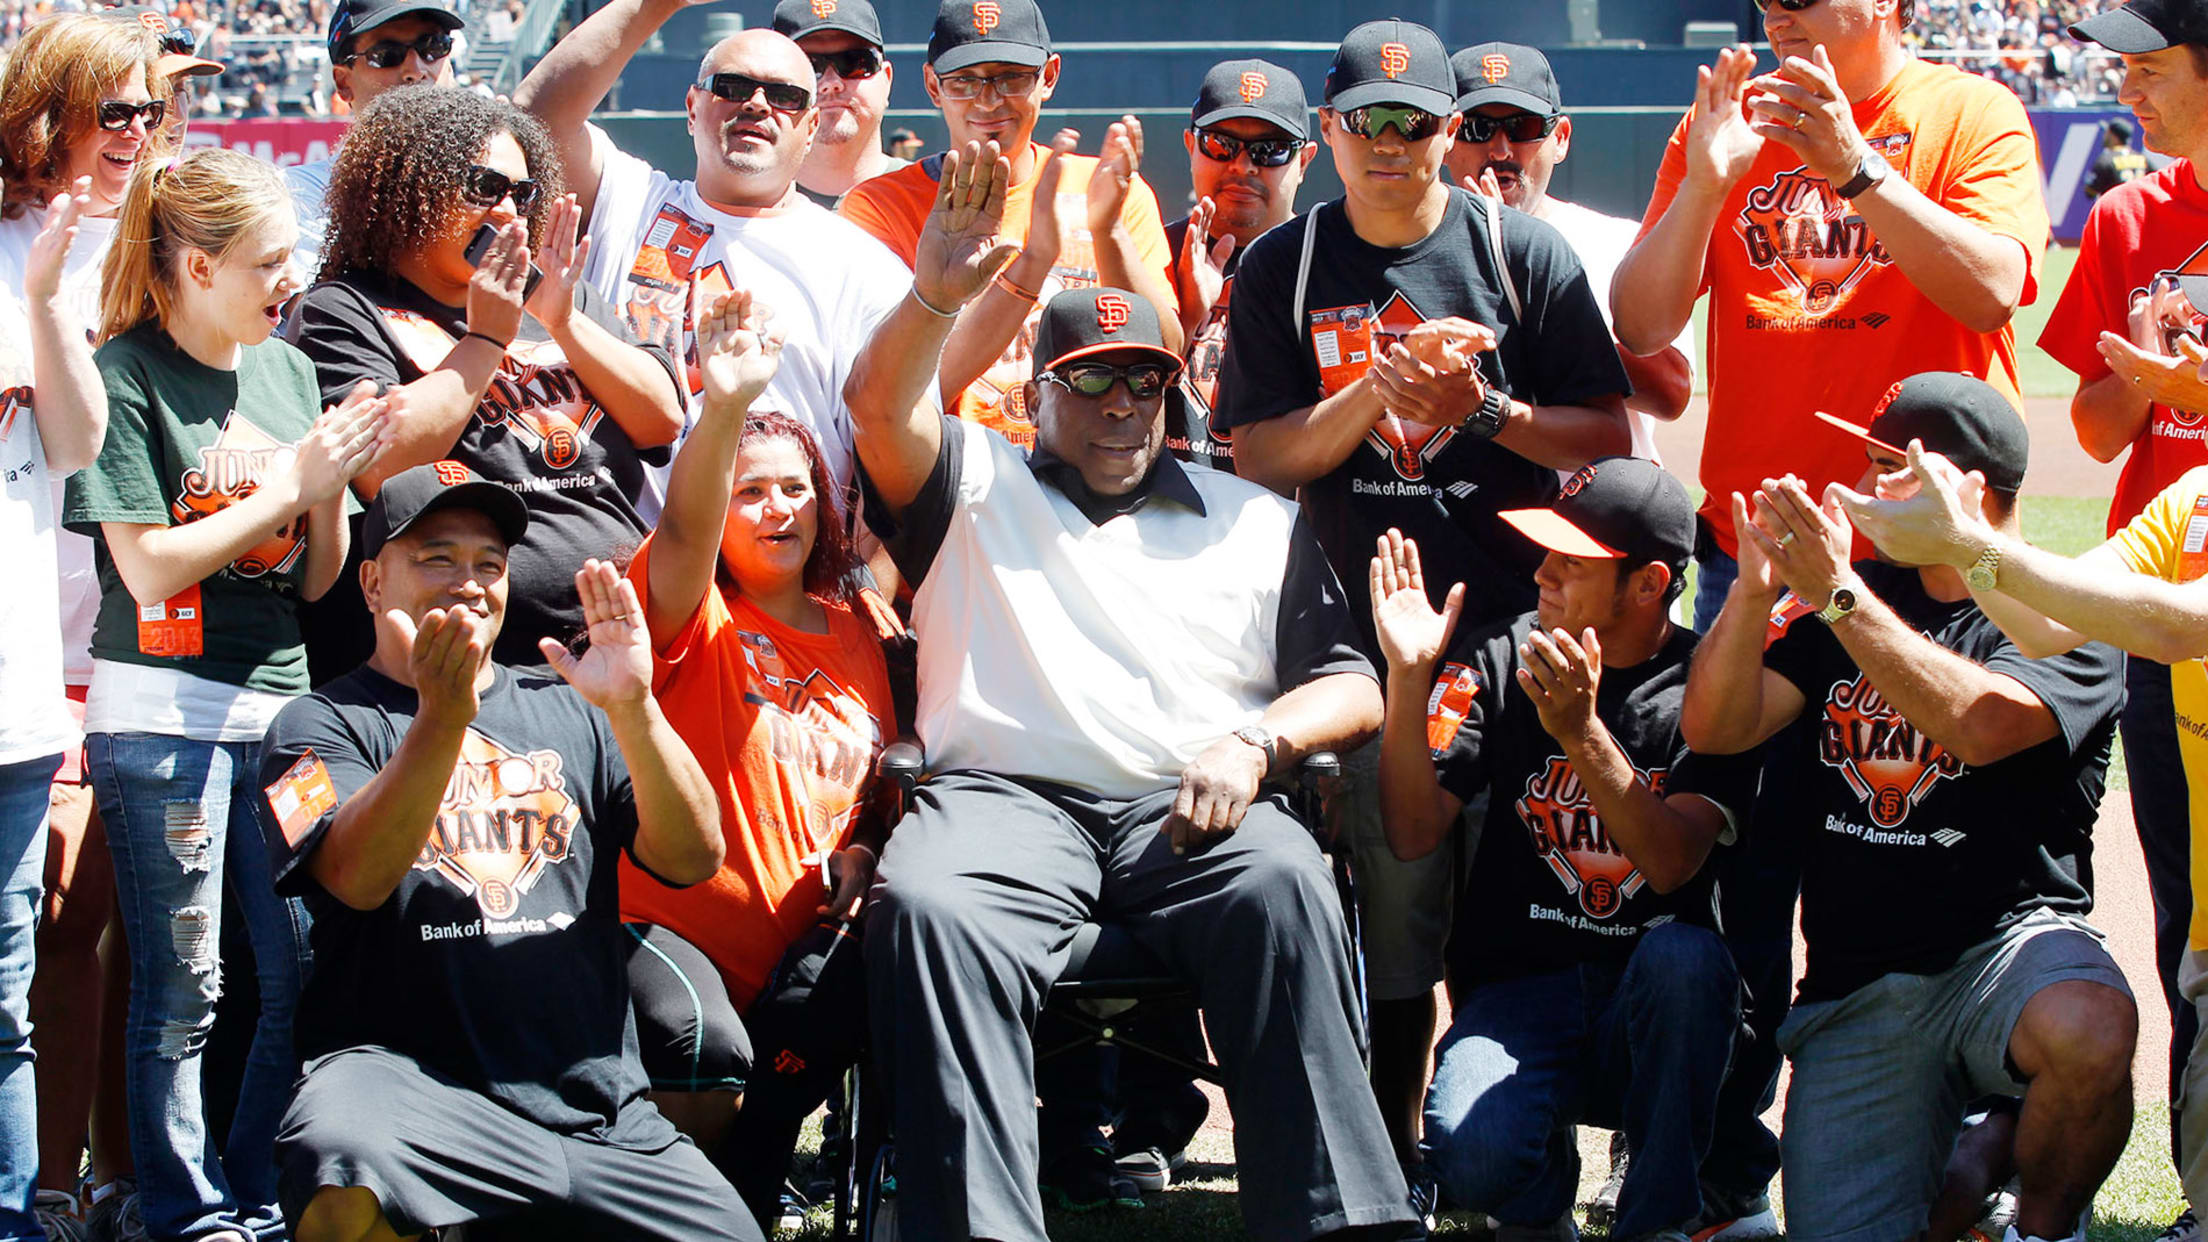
(1714, 575)
(181, 823)
(1641, 1049)
(23, 794)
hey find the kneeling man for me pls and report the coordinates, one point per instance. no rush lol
(1592, 984)
(1116, 650)
(453, 826)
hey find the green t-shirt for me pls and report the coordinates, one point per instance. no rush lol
(185, 440)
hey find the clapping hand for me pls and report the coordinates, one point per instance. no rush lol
(50, 249)
(444, 655)
(1561, 675)
(1721, 145)
(738, 354)
(1806, 544)
(959, 249)
(1802, 108)
(1117, 167)
(500, 285)
(1927, 514)
(617, 670)
(346, 440)
(1412, 634)
(565, 255)
(1203, 264)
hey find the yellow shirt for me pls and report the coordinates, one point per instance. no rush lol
(2169, 540)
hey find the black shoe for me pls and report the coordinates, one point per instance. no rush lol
(1086, 1181)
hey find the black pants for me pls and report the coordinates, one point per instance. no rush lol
(980, 892)
(2163, 815)
(785, 1053)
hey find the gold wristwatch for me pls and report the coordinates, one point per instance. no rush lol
(1986, 570)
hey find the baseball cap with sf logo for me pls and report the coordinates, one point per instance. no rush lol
(1392, 62)
(1081, 322)
(979, 32)
(1251, 88)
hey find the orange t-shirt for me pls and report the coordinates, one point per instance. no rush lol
(787, 725)
(894, 207)
(1807, 310)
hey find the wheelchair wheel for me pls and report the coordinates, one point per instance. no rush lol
(878, 1198)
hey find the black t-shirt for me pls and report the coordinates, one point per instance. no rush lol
(537, 430)
(1188, 417)
(1438, 485)
(499, 960)
(2113, 167)
(1548, 888)
(1910, 857)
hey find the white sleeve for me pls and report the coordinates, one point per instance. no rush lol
(309, 185)
(629, 190)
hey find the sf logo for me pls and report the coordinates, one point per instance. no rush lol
(824, 8)
(1394, 58)
(1494, 67)
(986, 16)
(1253, 86)
(1112, 312)
(450, 473)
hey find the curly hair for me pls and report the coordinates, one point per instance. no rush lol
(401, 169)
(50, 96)
(834, 555)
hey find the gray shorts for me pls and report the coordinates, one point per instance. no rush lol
(1882, 1076)
(1405, 908)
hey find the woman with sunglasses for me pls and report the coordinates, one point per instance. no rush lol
(74, 100)
(525, 376)
(772, 671)
(218, 502)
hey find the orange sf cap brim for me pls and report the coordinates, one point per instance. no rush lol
(1557, 534)
(1860, 433)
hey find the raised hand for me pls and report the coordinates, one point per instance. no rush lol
(1561, 675)
(1116, 170)
(1045, 234)
(443, 658)
(50, 249)
(1412, 634)
(1721, 145)
(1758, 576)
(1929, 514)
(1802, 108)
(959, 250)
(617, 670)
(346, 440)
(500, 284)
(738, 354)
(1203, 261)
(565, 255)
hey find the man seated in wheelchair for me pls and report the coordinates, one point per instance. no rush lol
(1591, 986)
(1115, 651)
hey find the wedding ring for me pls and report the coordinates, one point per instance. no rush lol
(1786, 539)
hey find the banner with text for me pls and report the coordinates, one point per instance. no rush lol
(282, 141)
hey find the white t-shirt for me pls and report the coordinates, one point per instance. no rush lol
(1601, 241)
(309, 183)
(77, 599)
(659, 251)
(149, 698)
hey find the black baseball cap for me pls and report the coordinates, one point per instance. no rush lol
(1253, 88)
(179, 46)
(1081, 322)
(1615, 508)
(1506, 73)
(1960, 417)
(977, 32)
(350, 17)
(1392, 62)
(2147, 25)
(798, 18)
(409, 494)
(2119, 128)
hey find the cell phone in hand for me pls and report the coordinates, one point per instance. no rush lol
(480, 245)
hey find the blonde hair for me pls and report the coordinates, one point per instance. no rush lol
(50, 94)
(204, 201)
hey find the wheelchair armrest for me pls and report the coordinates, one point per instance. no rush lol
(901, 763)
(1319, 765)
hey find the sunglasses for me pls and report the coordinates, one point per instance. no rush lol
(1518, 127)
(390, 54)
(1263, 152)
(116, 115)
(1415, 124)
(488, 187)
(740, 87)
(1018, 84)
(1791, 6)
(1093, 379)
(850, 63)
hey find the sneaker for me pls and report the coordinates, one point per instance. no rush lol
(1994, 1220)
(1086, 1181)
(59, 1214)
(1739, 1221)
(2186, 1228)
(115, 1218)
(1559, 1230)
(1602, 1209)
(1150, 1169)
(789, 1215)
(1425, 1193)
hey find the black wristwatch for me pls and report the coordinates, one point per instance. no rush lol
(1870, 172)
(1493, 412)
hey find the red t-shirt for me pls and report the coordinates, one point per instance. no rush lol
(2138, 230)
(1807, 310)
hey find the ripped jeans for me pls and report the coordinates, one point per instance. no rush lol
(181, 823)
